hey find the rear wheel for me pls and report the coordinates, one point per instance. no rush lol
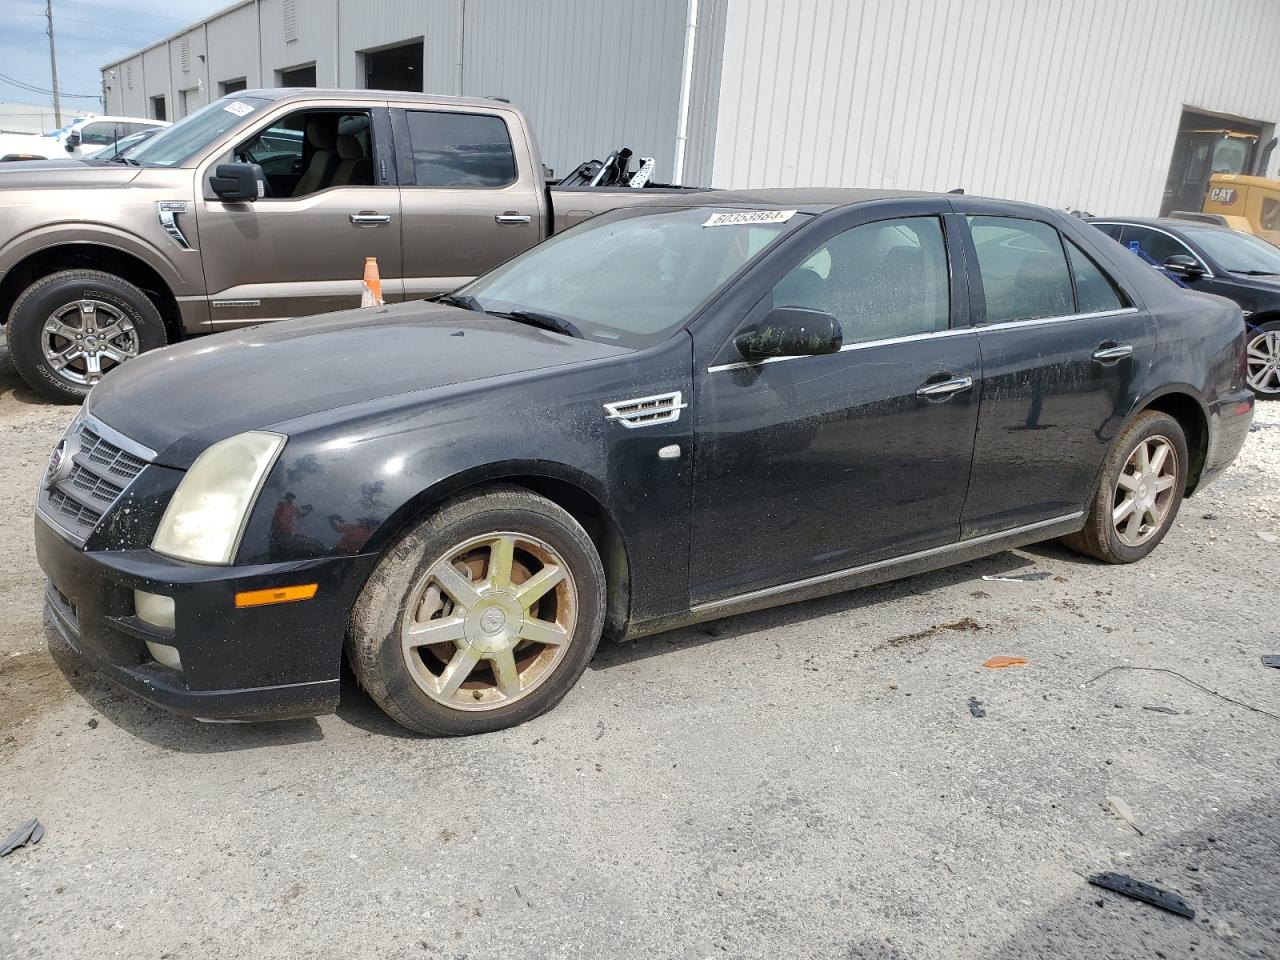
(1139, 493)
(481, 618)
(71, 328)
(1263, 349)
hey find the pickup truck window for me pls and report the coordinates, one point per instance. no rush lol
(460, 149)
(311, 150)
(173, 145)
(1023, 267)
(102, 133)
(879, 280)
(630, 277)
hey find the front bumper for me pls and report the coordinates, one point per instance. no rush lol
(258, 663)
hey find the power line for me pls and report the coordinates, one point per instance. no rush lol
(132, 13)
(31, 88)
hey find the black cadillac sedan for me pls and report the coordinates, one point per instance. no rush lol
(1215, 259)
(671, 413)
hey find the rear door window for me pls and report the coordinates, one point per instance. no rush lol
(879, 280)
(1023, 267)
(460, 149)
(1095, 292)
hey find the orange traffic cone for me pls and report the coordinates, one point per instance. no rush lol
(371, 292)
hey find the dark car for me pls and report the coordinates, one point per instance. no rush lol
(671, 413)
(1215, 259)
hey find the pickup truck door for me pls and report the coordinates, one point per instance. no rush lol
(470, 194)
(331, 202)
(805, 466)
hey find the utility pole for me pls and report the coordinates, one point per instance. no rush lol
(53, 65)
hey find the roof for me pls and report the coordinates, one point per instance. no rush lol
(382, 96)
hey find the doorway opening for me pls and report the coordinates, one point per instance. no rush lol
(398, 67)
(303, 76)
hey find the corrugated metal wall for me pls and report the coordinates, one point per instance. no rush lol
(1073, 103)
(591, 75)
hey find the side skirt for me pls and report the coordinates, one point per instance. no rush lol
(866, 575)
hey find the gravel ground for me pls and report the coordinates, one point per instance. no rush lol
(807, 781)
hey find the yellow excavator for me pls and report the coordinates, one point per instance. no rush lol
(1213, 180)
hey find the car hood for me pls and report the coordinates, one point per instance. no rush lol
(180, 399)
(60, 174)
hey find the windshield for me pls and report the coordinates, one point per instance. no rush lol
(172, 145)
(633, 276)
(1237, 252)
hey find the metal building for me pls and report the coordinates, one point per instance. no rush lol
(1087, 104)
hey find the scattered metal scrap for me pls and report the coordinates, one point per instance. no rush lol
(975, 707)
(1271, 659)
(29, 832)
(1129, 887)
(1121, 810)
(1021, 578)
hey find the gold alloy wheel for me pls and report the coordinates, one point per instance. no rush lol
(489, 621)
(1145, 491)
(84, 339)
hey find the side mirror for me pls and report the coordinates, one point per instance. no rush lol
(791, 332)
(1184, 266)
(238, 182)
(72, 141)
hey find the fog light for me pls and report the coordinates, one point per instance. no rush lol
(154, 609)
(165, 655)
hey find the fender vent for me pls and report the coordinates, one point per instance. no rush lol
(646, 411)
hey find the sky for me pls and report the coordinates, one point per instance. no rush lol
(89, 33)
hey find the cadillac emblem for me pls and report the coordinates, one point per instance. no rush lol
(61, 462)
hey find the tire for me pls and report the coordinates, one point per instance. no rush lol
(1110, 541)
(31, 340)
(1263, 346)
(398, 609)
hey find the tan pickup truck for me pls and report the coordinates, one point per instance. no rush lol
(264, 205)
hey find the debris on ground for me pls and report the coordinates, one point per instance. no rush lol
(1156, 708)
(1121, 810)
(28, 832)
(975, 707)
(1271, 659)
(1129, 887)
(1020, 578)
(1000, 662)
(1268, 537)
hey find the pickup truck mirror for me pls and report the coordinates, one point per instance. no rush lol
(1184, 266)
(238, 182)
(791, 332)
(72, 141)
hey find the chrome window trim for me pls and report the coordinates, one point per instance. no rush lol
(860, 345)
(1039, 321)
(1208, 274)
(796, 585)
(111, 435)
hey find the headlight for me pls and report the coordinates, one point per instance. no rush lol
(206, 517)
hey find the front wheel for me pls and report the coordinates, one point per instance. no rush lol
(1262, 344)
(482, 617)
(71, 328)
(1139, 492)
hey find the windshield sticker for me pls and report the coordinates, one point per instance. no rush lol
(748, 216)
(238, 108)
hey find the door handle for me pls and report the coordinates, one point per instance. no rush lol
(1112, 353)
(512, 217)
(370, 219)
(944, 388)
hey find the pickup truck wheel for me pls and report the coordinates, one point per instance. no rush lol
(483, 617)
(71, 328)
(1262, 345)
(1139, 493)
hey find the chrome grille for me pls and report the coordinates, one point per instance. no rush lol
(76, 494)
(645, 411)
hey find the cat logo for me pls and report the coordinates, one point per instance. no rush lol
(1223, 195)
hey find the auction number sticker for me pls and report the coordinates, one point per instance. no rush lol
(238, 108)
(748, 216)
